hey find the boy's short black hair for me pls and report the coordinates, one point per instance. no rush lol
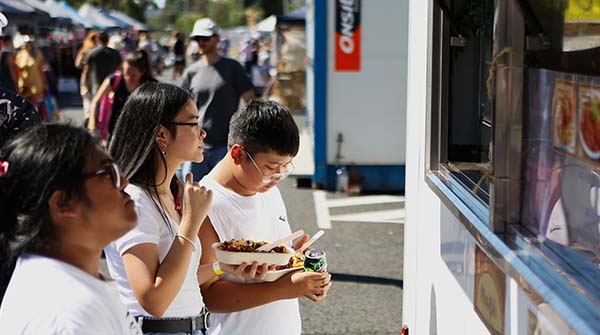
(265, 126)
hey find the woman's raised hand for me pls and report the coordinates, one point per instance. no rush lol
(195, 203)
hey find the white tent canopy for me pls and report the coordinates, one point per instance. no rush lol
(95, 17)
(267, 25)
(129, 20)
(55, 10)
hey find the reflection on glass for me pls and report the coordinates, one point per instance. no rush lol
(561, 201)
(470, 104)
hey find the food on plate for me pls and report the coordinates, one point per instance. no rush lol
(565, 117)
(249, 246)
(590, 122)
(296, 261)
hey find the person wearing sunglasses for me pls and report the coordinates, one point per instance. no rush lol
(218, 83)
(157, 264)
(263, 140)
(62, 200)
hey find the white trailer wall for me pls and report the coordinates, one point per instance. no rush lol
(425, 271)
(368, 107)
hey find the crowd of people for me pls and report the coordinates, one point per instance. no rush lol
(161, 172)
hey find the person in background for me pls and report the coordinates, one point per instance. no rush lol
(218, 83)
(61, 202)
(263, 140)
(91, 41)
(99, 63)
(179, 51)
(8, 69)
(250, 53)
(31, 82)
(157, 263)
(136, 71)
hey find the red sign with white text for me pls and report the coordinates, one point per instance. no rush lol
(347, 35)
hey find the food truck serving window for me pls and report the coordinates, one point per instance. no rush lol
(515, 126)
(561, 135)
(466, 58)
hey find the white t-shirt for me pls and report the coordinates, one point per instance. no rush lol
(151, 228)
(48, 296)
(258, 217)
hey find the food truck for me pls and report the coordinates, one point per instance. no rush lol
(502, 232)
(356, 92)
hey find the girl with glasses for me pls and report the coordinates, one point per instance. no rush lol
(157, 264)
(62, 200)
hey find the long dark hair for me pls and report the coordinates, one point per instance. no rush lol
(133, 145)
(41, 160)
(140, 60)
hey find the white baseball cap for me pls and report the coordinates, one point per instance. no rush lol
(204, 27)
(3, 22)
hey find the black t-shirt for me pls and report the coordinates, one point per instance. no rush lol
(179, 48)
(16, 114)
(102, 61)
(227, 79)
(5, 78)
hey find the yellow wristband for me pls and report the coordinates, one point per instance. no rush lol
(217, 268)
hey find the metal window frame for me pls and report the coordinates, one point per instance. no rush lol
(497, 229)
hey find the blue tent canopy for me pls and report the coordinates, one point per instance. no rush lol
(15, 7)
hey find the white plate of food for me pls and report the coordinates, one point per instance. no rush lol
(589, 123)
(274, 275)
(239, 251)
(295, 263)
(564, 116)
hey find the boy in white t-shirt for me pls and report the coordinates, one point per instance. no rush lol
(263, 140)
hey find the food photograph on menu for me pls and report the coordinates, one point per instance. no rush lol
(589, 122)
(563, 106)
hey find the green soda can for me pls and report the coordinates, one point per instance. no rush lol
(315, 261)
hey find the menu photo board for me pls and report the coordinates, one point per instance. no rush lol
(490, 293)
(564, 116)
(588, 112)
(576, 117)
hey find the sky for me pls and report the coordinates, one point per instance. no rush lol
(160, 3)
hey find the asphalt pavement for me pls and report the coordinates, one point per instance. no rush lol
(364, 242)
(365, 260)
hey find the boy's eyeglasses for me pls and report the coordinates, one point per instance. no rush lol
(191, 124)
(287, 169)
(112, 169)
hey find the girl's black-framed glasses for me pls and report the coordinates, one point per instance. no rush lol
(190, 124)
(111, 169)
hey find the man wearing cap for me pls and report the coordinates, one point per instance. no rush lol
(218, 83)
